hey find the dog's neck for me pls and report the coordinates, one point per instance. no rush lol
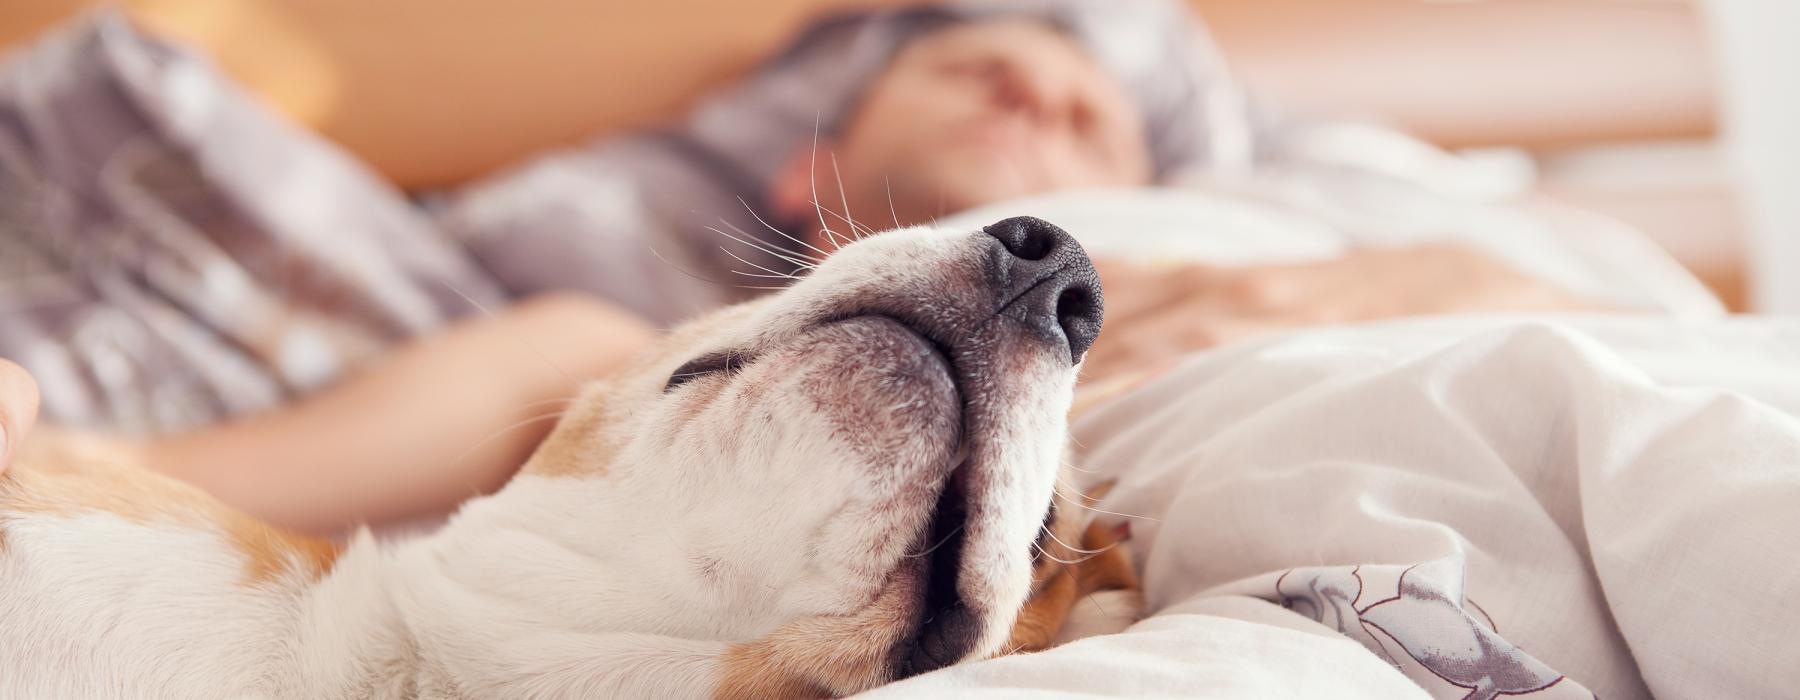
(390, 615)
(352, 639)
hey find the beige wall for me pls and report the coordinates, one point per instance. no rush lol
(1541, 73)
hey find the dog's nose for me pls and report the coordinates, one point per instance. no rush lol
(1049, 281)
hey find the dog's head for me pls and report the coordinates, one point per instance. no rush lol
(844, 479)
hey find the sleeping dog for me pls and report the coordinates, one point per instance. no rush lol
(836, 486)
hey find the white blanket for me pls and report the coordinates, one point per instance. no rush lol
(1480, 505)
(1446, 508)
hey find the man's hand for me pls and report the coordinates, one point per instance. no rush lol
(1155, 314)
(18, 408)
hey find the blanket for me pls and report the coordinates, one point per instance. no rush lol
(1535, 507)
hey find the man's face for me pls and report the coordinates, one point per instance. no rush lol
(981, 112)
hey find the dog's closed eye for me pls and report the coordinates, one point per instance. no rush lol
(705, 365)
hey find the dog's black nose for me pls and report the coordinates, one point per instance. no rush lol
(1049, 282)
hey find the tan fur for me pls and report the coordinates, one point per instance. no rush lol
(564, 453)
(70, 475)
(819, 656)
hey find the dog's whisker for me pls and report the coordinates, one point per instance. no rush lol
(845, 196)
(1078, 504)
(702, 278)
(888, 185)
(1047, 555)
(1087, 553)
(777, 231)
(940, 543)
(772, 273)
(1102, 511)
(812, 179)
(1071, 547)
(766, 248)
(853, 225)
(783, 253)
(1080, 498)
(803, 259)
(758, 274)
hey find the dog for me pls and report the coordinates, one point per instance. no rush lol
(838, 485)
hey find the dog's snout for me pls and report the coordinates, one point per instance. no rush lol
(1049, 281)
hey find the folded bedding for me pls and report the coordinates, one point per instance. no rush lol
(1535, 507)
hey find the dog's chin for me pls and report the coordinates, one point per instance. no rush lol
(945, 627)
(890, 367)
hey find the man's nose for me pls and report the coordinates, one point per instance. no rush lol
(1030, 92)
(1043, 97)
(1048, 283)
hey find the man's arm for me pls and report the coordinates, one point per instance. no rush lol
(434, 423)
(18, 408)
(1156, 315)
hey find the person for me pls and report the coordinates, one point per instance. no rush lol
(18, 409)
(956, 106)
(984, 111)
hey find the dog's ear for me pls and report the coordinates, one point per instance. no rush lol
(580, 444)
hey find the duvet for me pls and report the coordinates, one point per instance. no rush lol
(1473, 507)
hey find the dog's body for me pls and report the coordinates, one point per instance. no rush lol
(814, 493)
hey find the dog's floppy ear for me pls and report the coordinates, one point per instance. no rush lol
(579, 445)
